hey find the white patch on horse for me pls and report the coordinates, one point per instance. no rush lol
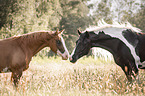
(5, 69)
(65, 54)
(115, 30)
(142, 64)
(73, 51)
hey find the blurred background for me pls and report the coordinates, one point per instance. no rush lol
(55, 77)
(23, 16)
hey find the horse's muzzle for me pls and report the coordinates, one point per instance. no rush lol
(65, 57)
(72, 60)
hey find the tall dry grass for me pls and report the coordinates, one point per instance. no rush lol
(88, 77)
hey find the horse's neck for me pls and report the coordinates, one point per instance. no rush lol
(111, 44)
(34, 43)
(141, 37)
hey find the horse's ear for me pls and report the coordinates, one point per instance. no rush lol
(60, 32)
(79, 32)
(57, 31)
(101, 32)
(87, 34)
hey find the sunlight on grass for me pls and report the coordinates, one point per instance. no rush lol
(55, 77)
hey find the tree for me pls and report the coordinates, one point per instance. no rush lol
(74, 16)
(138, 19)
(7, 9)
(101, 10)
(117, 10)
(24, 16)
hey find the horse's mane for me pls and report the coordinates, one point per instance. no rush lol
(102, 25)
(34, 36)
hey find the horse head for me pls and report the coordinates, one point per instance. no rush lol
(83, 45)
(57, 45)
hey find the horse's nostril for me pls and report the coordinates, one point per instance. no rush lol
(66, 56)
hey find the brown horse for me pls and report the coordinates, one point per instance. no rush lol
(16, 52)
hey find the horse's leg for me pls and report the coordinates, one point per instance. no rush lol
(125, 66)
(16, 77)
(119, 62)
(127, 72)
(132, 70)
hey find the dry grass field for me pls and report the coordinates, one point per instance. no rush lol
(88, 77)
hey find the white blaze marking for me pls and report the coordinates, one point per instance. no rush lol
(65, 54)
(73, 52)
(70, 57)
(5, 69)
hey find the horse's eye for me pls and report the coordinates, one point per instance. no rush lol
(58, 42)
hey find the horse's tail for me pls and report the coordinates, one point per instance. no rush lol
(131, 37)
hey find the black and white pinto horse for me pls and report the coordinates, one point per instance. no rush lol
(111, 38)
(137, 40)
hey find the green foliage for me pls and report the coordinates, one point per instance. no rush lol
(74, 16)
(138, 19)
(101, 10)
(7, 8)
(24, 16)
(117, 10)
